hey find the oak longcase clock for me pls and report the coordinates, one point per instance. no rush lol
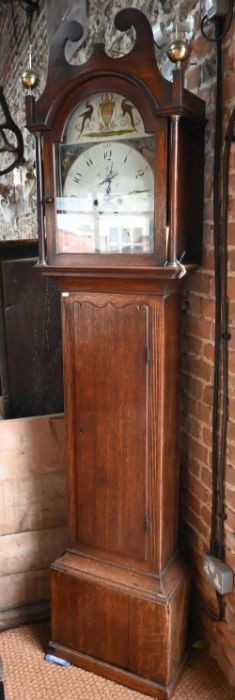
(120, 195)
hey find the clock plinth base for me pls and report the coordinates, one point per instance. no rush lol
(125, 625)
(118, 675)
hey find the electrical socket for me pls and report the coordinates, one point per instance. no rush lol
(219, 574)
(216, 8)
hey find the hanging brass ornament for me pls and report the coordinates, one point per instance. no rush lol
(178, 49)
(29, 78)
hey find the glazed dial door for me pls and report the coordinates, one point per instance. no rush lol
(105, 181)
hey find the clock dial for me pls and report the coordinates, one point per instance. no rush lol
(107, 200)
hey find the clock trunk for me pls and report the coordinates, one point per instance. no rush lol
(121, 582)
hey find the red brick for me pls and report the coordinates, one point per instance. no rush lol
(197, 367)
(194, 427)
(197, 488)
(231, 342)
(200, 47)
(193, 387)
(208, 211)
(231, 409)
(230, 519)
(230, 474)
(189, 407)
(186, 363)
(230, 452)
(191, 345)
(204, 413)
(202, 369)
(208, 239)
(231, 286)
(212, 287)
(200, 282)
(229, 615)
(228, 59)
(229, 539)
(194, 77)
(208, 309)
(231, 184)
(208, 395)
(230, 207)
(199, 327)
(208, 190)
(229, 653)
(193, 502)
(206, 515)
(231, 362)
(193, 467)
(231, 603)
(195, 305)
(231, 233)
(207, 437)
(231, 385)
(229, 87)
(198, 525)
(206, 477)
(198, 451)
(231, 431)
(208, 351)
(229, 497)
(230, 636)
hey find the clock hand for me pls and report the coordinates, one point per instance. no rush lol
(108, 179)
(138, 191)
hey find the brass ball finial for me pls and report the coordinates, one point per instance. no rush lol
(29, 79)
(178, 51)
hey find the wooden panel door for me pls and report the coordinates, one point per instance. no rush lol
(110, 448)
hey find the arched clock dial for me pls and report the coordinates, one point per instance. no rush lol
(108, 200)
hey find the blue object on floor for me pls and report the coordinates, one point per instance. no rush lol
(56, 660)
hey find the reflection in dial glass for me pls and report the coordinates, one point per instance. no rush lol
(105, 194)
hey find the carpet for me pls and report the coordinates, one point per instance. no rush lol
(28, 677)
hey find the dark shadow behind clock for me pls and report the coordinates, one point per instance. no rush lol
(30, 335)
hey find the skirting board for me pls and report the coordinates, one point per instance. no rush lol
(38, 612)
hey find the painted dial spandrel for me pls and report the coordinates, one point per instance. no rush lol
(106, 190)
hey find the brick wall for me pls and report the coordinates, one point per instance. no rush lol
(197, 375)
(198, 322)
